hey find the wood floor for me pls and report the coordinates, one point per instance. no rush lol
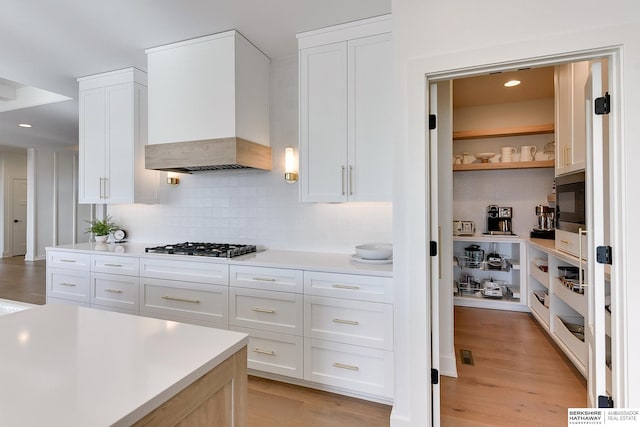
(519, 377)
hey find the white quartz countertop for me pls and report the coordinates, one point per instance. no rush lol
(315, 261)
(63, 365)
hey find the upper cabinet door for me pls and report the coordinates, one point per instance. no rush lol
(92, 144)
(370, 148)
(120, 135)
(570, 80)
(323, 123)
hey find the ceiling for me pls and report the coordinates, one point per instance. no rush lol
(47, 44)
(487, 89)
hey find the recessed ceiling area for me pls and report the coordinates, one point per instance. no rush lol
(14, 96)
(535, 83)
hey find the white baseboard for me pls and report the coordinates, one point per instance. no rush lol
(398, 420)
(448, 365)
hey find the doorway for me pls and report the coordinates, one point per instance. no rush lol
(445, 217)
(19, 216)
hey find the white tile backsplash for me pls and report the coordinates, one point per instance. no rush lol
(257, 207)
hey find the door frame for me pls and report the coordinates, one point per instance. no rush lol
(420, 73)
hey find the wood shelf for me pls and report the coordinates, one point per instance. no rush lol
(511, 165)
(498, 132)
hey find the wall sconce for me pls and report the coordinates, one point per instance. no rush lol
(172, 179)
(290, 169)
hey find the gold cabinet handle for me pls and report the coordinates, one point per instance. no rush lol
(566, 242)
(264, 279)
(67, 284)
(263, 310)
(351, 180)
(113, 265)
(346, 322)
(67, 260)
(343, 191)
(353, 288)
(170, 298)
(343, 366)
(267, 352)
(113, 291)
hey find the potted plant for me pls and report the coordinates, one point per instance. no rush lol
(101, 228)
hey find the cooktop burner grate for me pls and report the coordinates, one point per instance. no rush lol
(219, 250)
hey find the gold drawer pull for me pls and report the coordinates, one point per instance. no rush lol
(67, 284)
(113, 291)
(170, 298)
(355, 288)
(343, 366)
(263, 310)
(113, 265)
(67, 260)
(267, 352)
(346, 322)
(264, 279)
(566, 242)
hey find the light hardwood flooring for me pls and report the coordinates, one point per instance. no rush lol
(519, 377)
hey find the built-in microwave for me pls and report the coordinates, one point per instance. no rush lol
(570, 202)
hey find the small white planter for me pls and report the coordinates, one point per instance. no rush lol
(101, 239)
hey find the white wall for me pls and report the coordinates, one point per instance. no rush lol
(257, 207)
(12, 165)
(53, 216)
(436, 37)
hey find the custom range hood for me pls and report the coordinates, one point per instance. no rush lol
(208, 105)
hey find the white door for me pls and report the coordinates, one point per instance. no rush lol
(19, 219)
(434, 279)
(595, 206)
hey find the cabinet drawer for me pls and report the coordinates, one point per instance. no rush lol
(570, 243)
(184, 300)
(363, 323)
(115, 264)
(185, 271)
(351, 367)
(68, 260)
(273, 279)
(349, 286)
(68, 284)
(51, 300)
(541, 276)
(272, 352)
(266, 310)
(116, 291)
(577, 347)
(575, 300)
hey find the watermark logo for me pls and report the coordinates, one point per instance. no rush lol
(603, 417)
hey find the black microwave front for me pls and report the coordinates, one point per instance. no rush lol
(570, 202)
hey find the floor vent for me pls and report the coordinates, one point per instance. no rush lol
(467, 357)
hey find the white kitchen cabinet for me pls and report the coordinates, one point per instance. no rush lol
(266, 310)
(211, 87)
(570, 129)
(115, 292)
(113, 132)
(345, 78)
(470, 276)
(68, 277)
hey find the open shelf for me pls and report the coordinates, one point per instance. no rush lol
(498, 166)
(498, 132)
(539, 310)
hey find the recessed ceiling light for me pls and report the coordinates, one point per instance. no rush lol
(512, 83)
(24, 125)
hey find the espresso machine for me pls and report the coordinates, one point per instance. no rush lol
(499, 220)
(545, 229)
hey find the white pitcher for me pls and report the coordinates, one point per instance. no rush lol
(506, 154)
(527, 153)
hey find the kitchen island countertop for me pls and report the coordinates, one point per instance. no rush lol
(316, 261)
(72, 366)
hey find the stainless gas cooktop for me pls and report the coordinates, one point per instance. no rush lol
(220, 250)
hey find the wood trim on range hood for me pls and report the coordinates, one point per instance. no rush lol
(207, 155)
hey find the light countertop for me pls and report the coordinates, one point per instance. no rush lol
(63, 365)
(315, 261)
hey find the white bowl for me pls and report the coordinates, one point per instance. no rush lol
(374, 251)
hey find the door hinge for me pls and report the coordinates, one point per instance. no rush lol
(604, 254)
(432, 121)
(605, 402)
(433, 248)
(435, 376)
(603, 104)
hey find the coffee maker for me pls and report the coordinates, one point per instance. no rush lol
(499, 220)
(545, 229)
